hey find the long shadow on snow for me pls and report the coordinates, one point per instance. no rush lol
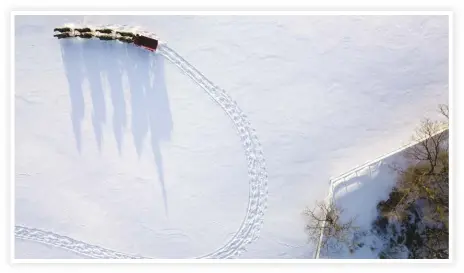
(82, 59)
(114, 72)
(150, 105)
(149, 100)
(72, 59)
(160, 119)
(93, 64)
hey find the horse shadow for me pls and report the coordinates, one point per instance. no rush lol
(94, 60)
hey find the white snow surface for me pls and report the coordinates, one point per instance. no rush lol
(324, 93)
(358, 194)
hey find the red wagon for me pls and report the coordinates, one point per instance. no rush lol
(146, 42)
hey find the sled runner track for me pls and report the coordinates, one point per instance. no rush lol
(249, 230)
(251, 225)
(53, 239)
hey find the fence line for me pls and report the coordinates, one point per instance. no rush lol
(342, 178)
(400, 149)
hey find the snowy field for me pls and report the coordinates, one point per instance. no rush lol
(117, 147)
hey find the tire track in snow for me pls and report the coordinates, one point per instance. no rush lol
(253, 221)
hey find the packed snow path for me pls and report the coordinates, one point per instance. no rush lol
(253, 221)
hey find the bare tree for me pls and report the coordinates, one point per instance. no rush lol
(326, 229)
(444, 110)
(432, 141)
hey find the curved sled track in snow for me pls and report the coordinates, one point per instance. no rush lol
(251, 225)
(64, 242)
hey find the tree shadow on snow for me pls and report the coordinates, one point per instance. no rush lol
(149, 101)
(360, 194)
